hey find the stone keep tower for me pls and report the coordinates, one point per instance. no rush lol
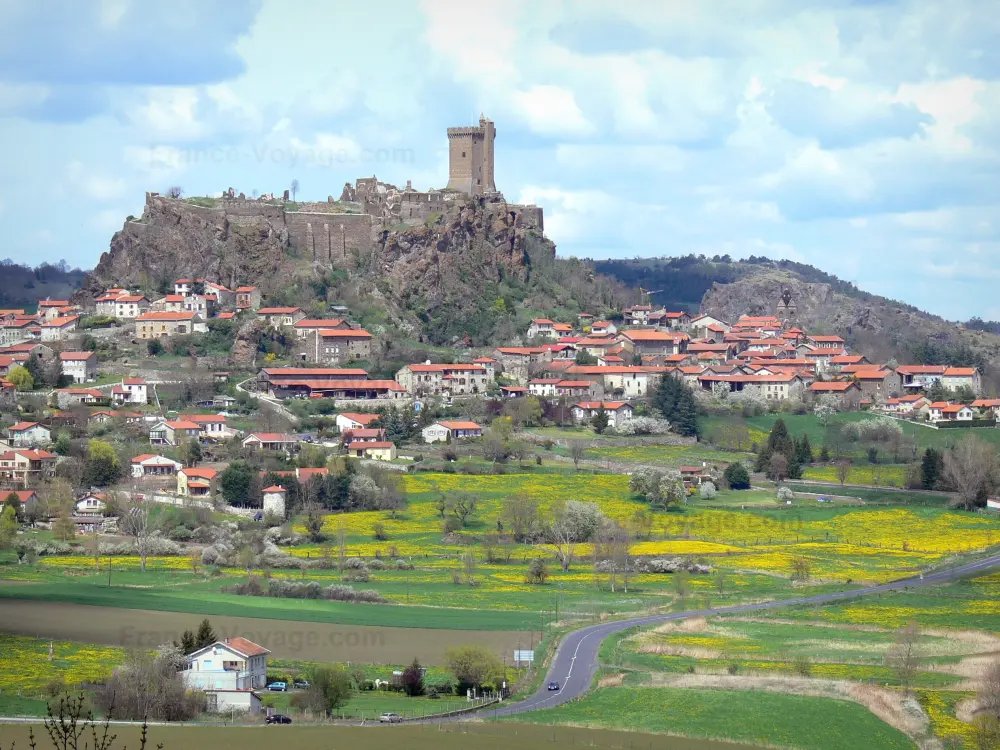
(470, 158)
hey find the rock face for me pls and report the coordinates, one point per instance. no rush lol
(174, 239)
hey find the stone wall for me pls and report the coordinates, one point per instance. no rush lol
(329, 237)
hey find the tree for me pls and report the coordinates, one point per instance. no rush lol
(149, 685)
(800, 569)
(642, 524)
(205, 635)
(154, 347)
(737, 476)
(538, 571)
(63, 444)
(329, 689)
(103, 467)
(8, 526)
(188, 643)
(989, 690)
(519, 516)
(63, 528)
(175, 191)
(707, 491)
(295, 188)
(13, 501)
(824, 454)
(136, 523)
(463, 505)
(314, 523)
(474, 667)
(191, 453)
(970, 468)
(931, 467)
(413, 679)
(803, 450)
(236, 482)
(675, 400)
(902, 655)
(21, 378)
(843, 469)
(777, 467)
(600, 421)
(577, 450)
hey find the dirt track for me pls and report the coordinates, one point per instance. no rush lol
(308, 641)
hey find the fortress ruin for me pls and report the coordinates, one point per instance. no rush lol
(337, 229)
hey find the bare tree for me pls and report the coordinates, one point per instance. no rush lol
(902, 655)
(576, 451)
(135, 522)
(843, 471)
(970, 468)
(295, 188)
(462, 506)
(989, 690)
(621, 541)
(563, 536)
(175, 191)
(519, 517)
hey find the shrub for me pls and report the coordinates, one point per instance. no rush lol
(379, 532)
(707, 491)
(537, 573)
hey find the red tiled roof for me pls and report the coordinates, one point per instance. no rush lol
(319, 322)
(960, 372)
(202, 473)
(61, 322)
(161, 315)
(75, 356)
(22, 426)
(443, 367)
(837, 386)
(360, 445)
(272, 437)
(249, 648)
(606, 405)
(278, 310)
(459, 424)
(360, 418)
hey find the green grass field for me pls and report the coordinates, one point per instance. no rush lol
(754, 717)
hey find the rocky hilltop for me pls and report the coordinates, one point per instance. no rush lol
(442, 273)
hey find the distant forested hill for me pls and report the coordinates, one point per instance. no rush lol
(22, 286)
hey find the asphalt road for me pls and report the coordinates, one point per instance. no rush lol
(576, 659)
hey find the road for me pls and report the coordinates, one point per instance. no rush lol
(576, 659)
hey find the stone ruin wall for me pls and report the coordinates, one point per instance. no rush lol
(329, 237)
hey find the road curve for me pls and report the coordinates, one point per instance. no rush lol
(576, 659)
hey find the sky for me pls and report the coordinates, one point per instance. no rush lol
(860, 136)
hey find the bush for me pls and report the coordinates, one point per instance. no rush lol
(283, 589)
(451, 525)
(737, 476)
(707, 491)
(537, 573)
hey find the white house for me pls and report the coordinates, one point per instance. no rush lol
(28, 434)
(274, 500)
(92, 504)
(445, 430)
(149, 465)
(58, 329)
(229, 672)
(542, 327)
(80, 366)
(213, 426)
(354, 421)
(131, 391)
(270, 441)
(618, 412)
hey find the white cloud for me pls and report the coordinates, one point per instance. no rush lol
(169, 114)
(109, 220)
(551, 110)
(157, 162)
(92, 184)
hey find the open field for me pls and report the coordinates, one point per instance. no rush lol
(665, 455)
(415, 737)
(311, 641)
(754, 717)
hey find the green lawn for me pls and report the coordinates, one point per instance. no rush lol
(15, 705)
(666, 455)
(757, 717)
(368, 705)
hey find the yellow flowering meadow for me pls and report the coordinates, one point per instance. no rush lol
(117, 561)
(25, 665)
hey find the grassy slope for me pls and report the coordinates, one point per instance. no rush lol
(745, 716)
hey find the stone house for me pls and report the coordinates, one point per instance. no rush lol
(649, 342)
(963, 377)
(247, 298)
(79, 366)
(24, 467)
(310, 325)
(878, 385)
(67, 397)
(280, 317)
(59, 329)
(130, 306)
(848, 392)
(156, 324)
(456, 379)
(516, 362)
(335, 347)
(274, 500)
(377, 450)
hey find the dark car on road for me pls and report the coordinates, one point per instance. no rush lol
(301, 684)
(278, 719)
(278, 686)
(553, 686)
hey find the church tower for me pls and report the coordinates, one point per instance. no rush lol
(785, 309)
(470, 158)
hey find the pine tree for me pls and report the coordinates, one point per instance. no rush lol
(803, 450)
(685, 421)
(600, 421)
(824, 454)
(205, 636)
(188, 642)
(930, 469)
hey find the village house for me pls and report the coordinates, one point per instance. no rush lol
(643, 341)
(911, 403)
(184, 287)
(197, 482)
(91, 504)
(79, 366)
(213, 426)
(920, 377)
(445, 431)
(131, 391)
(637, 315)
(59, 329)
(335, 347)
(543, 387)
(626, 381)
(247, 298)
(129, 306)
(542, 328)
(376, 450)
(173, 432)
(952, 413)
(516, 362)
(579, 389)
(26, 466)
(700, 326)
(447, 379)
(105, 304)
(228, 672)
(618, 412)
(847, 392)
(49, 309)
(28, 435)
(354, 421)
(603, 328)
(674, 321)
(779, 386)
(67, 397)
(989, 408)
(279, 382)
(310, 325)
(963, 377)
(15, 331)
(363, 435)
(280, 317)
(825, 342)
(223, 295)
(150, 465)
(878, 384)
(270, 441)
(155, 324)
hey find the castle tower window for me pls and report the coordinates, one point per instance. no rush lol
(463, 154)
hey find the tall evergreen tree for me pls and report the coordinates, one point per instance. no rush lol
(188, 642)
(930, 469)
(675, 401)
(205, 635)
(803, 450)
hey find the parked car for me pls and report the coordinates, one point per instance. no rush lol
(278, 686)
(278, 719)
(553, 686)
(390, 718)
(301, 684)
